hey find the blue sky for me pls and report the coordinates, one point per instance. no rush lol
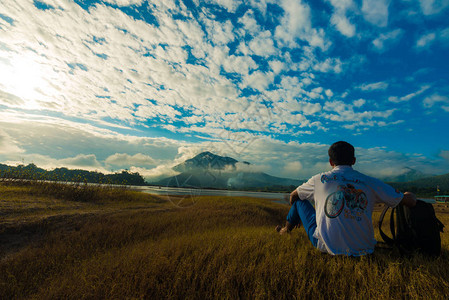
(131, 84)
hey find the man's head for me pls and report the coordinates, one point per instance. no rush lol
(341, 153)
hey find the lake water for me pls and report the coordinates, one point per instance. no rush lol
(163, 190)
(278, 197)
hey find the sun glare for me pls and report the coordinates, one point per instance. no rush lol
(23, 77)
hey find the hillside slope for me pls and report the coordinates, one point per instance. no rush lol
(426, 185)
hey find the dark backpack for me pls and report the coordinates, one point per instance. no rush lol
(413, 229)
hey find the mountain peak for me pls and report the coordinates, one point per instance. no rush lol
(205, 154)
(206, 161)
(205, 171)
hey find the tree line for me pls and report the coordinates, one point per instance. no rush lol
(32, 172)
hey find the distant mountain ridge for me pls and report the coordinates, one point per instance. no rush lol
(409, 175)
(427, 184)
(208, 170)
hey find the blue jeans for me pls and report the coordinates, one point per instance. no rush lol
(302, 211)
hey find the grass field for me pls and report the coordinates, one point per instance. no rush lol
(107, 243)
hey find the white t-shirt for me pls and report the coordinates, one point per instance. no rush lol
(344, 201)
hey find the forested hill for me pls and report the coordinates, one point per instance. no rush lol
(426, 185)
(31, 171)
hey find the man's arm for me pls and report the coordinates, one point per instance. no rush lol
(294, 197)
(409, 199)
(306, 190)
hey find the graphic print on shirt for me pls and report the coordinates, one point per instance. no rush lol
(346, 195)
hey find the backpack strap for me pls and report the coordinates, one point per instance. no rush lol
(440, 225)
(403, 218)
(386, 238)
(392, 227)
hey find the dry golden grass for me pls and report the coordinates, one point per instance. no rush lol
(141, 246)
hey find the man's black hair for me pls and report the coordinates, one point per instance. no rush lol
(341, 153)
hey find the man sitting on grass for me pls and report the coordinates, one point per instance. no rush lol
(341, 222)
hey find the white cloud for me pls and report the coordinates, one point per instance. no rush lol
(433, 99)
(249, 23)
(309, 108)
(81, 160)
(329, 65)
(59, 137)
(296, 24)
(329, 93)
(444, 154)
(220, 33)
(339, 18)
(87, 162)
(293, 169)
(243, 167)
(258, 80)
(126, 160)
(8, 145)
(10, 100)
(385, 40)
(431, 7)
(306, 81)
(342, 5)
(229, 5)
(425, 40)
(124, 2)
(380, 162)
(408, 97)
(376, 11)
(339, 111)
(311, 63)
(444, 34)
(343, 25)
(239, 64)
(261, 5)
(439, 36)
(262, 44)
(277, 66)
(155, 174)
(381, 85)
(359, 103)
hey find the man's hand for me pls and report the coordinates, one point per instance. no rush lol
(408, 200)
(293, 197)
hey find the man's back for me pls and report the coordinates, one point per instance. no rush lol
(340, 222)
(344, 201)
